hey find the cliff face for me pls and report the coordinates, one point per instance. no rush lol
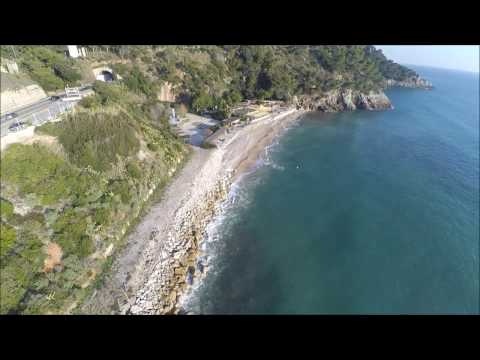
(345, 100)
(166, 93)
(412, 82)
(349, 100)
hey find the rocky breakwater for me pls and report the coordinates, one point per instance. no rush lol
(345, 100)
(414, 82)
(178, 259)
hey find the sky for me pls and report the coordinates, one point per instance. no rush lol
(458, 57)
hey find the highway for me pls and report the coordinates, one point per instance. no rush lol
(40, 111)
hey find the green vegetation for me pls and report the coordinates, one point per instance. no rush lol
(137, 82)
(70, 232)
(215, 78)
(46, 65)
(8, 236)
(96, 139)
(78, 193)
(64, 202)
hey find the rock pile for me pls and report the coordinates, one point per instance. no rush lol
(178, 262)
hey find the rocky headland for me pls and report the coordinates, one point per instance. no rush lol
(350, 100)
(414, 82)
(345, 100)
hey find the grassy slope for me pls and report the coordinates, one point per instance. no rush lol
(80, 193)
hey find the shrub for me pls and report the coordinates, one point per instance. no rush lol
(70, 233)
(134, 170)
(152, 146)
(139, 83)
(202, 102)
(6, 209)
(46, 79)
(97, 140)
(101, 216)
(120, 187)
(8, 236)
(108, 93)
(67, 73)
(17, 272)
(91, 102)
(36, 170)
(48, 128)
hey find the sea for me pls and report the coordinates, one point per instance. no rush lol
(356, 213)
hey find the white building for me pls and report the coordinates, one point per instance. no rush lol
(74, 51)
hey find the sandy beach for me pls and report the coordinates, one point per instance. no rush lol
(160, 258)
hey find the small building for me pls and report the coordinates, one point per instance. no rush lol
(75, 51)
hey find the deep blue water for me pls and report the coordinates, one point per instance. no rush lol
(358, 213)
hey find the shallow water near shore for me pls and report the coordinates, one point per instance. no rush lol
(357, 213)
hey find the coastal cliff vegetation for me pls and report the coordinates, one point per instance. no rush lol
(68, 198)
(214, 78)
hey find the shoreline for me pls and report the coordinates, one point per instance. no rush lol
(161, 257)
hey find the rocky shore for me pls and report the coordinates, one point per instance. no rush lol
(163, 255)
(350, 100)
(345, 100)
(413, 82)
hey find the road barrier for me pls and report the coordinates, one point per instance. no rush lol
(51, 113)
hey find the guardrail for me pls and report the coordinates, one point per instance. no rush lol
(49, 114)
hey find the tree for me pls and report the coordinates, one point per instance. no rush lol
(202, 102)
(67, 73)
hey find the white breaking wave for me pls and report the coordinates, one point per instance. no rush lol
(211, 246)
(238, 199)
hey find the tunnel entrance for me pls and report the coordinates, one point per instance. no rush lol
(105, 75)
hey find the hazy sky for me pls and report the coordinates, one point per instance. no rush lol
(459, 57)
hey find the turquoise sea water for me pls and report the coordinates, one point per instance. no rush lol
(358, 213)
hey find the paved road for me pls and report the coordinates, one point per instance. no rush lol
(39, 112)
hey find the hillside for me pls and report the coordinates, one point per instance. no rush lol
(214, 77)
(68, 199)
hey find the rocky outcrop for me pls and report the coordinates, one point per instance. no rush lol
(17, 92)
(166, 93)
(415, 82)
(345, 100)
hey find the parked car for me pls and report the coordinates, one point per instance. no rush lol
(11, 116)
(17, 126)
(54, 98)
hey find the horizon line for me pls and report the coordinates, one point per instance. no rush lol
(443, 68)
